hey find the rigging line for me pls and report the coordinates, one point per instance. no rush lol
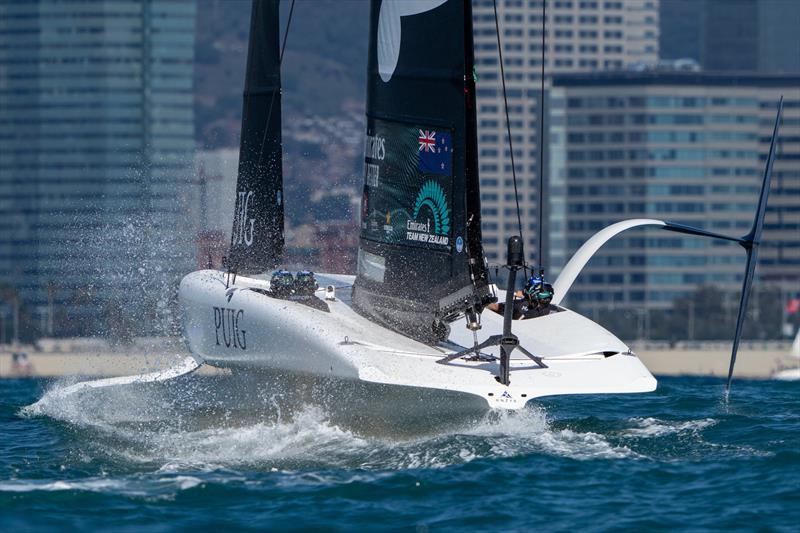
(540, 210)
(508, 121)
(272, 100)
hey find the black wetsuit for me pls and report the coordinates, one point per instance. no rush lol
(523, 309)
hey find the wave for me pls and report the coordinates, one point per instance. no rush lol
(134, 486)
(180, 430)
(653, 427)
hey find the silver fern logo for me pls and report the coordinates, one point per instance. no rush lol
(434, 228)
(389, 30)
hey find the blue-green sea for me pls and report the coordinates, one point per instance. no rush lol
(194, 457)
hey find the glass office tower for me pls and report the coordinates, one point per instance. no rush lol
(682, 146)
(96, 153)
(581, 36)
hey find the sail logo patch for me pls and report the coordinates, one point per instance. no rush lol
(408, 185)
(375, 147)
(388, 228)
(427, 140)
(431, 202)
(242, 233)
(372, 174)
(435, 152)
(375, 150)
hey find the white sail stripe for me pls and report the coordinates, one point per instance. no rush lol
(389, 30)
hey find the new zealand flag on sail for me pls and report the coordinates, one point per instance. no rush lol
(435, 152)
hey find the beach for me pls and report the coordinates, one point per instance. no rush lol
(94, 358)
(53, 358)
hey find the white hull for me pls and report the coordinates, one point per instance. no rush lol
(791, 374)
(788, 374)
(235, 327)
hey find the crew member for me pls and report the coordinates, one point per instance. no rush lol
(531, 302)
(281, 285)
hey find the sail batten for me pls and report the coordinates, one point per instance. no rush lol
(420, 254)
(257, 234)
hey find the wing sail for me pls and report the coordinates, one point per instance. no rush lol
(420, 254)
(257, 236)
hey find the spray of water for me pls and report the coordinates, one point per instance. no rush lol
(201, 426)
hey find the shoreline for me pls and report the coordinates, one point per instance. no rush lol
(97, 365)
(752, 363)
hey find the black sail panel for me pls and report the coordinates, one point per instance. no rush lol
(257, 236)
(420, 257)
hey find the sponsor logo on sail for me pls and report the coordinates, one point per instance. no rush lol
(388, 227)
(372, 174)
(228, 329)
(375, 147)
(431, 202)
(244, 233)
(375, 150)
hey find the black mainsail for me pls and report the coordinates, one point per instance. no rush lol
(420, 254)
(257, 236)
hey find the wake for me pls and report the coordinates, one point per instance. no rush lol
(202, 427)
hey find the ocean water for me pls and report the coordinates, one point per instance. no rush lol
(203, 453)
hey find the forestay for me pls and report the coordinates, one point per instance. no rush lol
(420, 255)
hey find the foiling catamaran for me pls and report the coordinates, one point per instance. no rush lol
(421, 268)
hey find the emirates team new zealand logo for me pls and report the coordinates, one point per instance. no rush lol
(430, 221)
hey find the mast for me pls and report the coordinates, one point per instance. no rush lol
(257, 236)
(420, 255)
(478, 268)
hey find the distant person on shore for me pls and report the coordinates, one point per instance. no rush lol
(20, 364)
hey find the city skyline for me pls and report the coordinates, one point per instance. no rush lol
(674, 146)
(161, 160)
(96, 123)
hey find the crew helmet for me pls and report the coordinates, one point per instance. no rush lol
(538, 290)
(281, 281)
(305, 283)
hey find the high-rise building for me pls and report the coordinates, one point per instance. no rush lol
(685, 147)
(580, 36)
(733, 35)
(96, 129)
